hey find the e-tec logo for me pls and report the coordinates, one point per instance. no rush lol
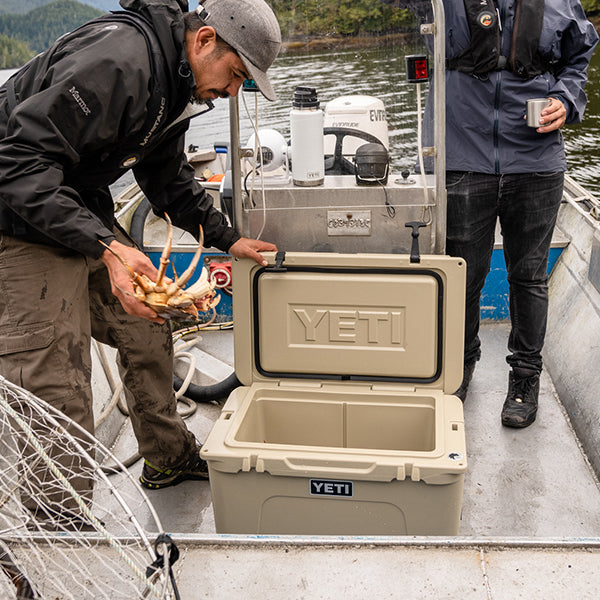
(330, 487)
(486, 19)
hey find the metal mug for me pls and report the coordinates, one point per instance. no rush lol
(535, 106)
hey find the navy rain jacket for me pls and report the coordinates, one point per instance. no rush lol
(485, 128)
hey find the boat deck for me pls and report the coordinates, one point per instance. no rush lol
(531, 483)
(530, 523)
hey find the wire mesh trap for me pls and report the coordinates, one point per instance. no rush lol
(66, 531)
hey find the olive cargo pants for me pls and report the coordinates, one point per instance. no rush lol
(52, 301)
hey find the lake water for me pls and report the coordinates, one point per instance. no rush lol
(378, 72)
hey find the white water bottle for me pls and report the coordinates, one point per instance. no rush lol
(306, 132)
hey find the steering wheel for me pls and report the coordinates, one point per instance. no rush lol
(338, 164)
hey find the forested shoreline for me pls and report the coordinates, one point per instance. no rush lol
(306, 25)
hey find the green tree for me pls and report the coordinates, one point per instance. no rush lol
(341, 17)
(20, 7)
(13, 53)
(590, 6)
(40, 27)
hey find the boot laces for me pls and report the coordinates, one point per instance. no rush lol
(522, 387)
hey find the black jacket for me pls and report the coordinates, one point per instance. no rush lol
(77, 116)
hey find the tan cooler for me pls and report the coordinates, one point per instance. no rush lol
(344, 423)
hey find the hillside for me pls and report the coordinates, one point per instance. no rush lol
(41, 26)
(21, 7)
(307, 25)
(13, 53)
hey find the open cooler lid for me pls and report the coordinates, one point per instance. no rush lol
(350, 317)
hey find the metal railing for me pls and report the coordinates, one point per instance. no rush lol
(435, 29)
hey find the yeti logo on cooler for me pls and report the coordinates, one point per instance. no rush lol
(330, 487)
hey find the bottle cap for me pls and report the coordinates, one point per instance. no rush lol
(305, 97)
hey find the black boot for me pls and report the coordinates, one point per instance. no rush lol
(461, 392)
(520, 406)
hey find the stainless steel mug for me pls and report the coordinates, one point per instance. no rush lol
(535, 106)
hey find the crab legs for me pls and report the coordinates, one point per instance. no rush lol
(170, 299)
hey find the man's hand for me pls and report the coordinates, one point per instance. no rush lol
(249, 248)
(120, 280)
(555, 115)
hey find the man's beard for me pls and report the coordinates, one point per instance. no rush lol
(199, 100)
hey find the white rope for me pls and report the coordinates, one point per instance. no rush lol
(27, 435)
(257, 149)
(420, 152)
(33, 440)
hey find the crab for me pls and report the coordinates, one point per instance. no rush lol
(169, 299)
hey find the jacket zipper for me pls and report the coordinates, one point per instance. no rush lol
(497, 93)
(496, 122)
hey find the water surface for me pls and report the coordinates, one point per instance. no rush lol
(377, 72)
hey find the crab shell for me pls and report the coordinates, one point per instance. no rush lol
(170, 299)
(176, 302)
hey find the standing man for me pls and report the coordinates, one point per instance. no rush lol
(114, 94)
(500, 53)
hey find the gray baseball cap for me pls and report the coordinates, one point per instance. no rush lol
(251, 29)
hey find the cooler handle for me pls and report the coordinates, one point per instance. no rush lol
(340, 470)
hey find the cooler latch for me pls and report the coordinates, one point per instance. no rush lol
(279, 258)
(415, 255)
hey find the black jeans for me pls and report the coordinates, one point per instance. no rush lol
(527, 205)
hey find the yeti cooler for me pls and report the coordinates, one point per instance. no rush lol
(344, 423)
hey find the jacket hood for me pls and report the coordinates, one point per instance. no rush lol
(126, 4)
(166, 17)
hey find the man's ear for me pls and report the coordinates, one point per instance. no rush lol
(205, 37)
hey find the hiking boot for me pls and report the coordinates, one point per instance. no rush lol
(193, 468)
(520, 406)
(461, 392)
